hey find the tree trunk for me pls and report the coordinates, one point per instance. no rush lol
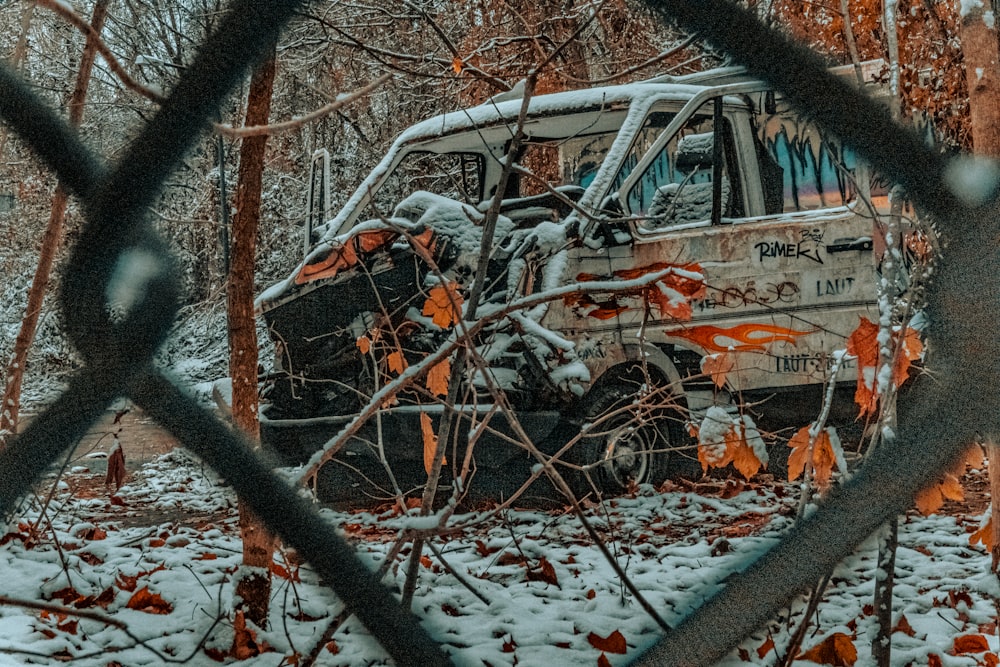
(980, 52)
(253, 588)
(17, 57)
(50, 242)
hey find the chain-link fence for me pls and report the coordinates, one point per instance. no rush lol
(957, 403)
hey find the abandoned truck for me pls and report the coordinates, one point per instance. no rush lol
(631, 233)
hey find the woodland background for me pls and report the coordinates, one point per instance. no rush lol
(441, 56)
(419, 59)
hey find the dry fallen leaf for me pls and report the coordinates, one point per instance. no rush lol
(766, 647)
(543, 572)
(903, 625)
(150, 603)
(245, 643)
(970, 644)
(837, 650)
(613, 643)
(984, 535)
(116, 466)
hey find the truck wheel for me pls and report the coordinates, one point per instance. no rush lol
(627, 443)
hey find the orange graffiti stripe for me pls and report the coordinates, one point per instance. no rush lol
(747, 336)
(689, 287)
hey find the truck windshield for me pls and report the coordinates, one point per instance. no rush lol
(458, 176)
(560, 150)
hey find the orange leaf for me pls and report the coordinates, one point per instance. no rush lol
(903, 625)
(116, 466)
(443, 305)
(800, 453)
(991, 660)
(823, 458)
(613, 643)
(364, 344)
(717, 366)
(457, 65)
(910, 349)
(971, 644)
(430, 441)
(984, 536)
(397, 364)
(289, 574)
(544, 572)
(69, 627)
(245, 644)
(718, 448)
(837, 650)
(603, 661)
(974, 457)
(933, 660)
(126, 582)
(744, 457)
(863, 344)
(931, 498)
(151, 603)
(438, 376)
(766, 647)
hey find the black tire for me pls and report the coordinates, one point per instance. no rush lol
(627, 443)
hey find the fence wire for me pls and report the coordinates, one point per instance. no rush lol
(117, 243)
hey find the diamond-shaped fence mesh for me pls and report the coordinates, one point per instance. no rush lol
(937, 418)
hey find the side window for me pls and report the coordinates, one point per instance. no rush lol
(654, 125)
(810, 169)
(680, 184)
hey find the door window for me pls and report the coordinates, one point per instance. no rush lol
(816, 172)
(679, 185)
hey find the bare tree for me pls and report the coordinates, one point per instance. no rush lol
(253, 589)
(50, 246)
(982, 60)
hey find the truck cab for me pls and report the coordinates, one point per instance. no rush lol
(639, 231)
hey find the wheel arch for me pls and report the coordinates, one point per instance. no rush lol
(634, 362)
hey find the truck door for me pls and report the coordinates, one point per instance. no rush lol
(768, 212)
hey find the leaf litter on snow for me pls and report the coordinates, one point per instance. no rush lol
(161, 561)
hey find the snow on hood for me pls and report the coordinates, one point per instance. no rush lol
(460, 223)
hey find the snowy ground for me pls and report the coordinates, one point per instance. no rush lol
(158, 561)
